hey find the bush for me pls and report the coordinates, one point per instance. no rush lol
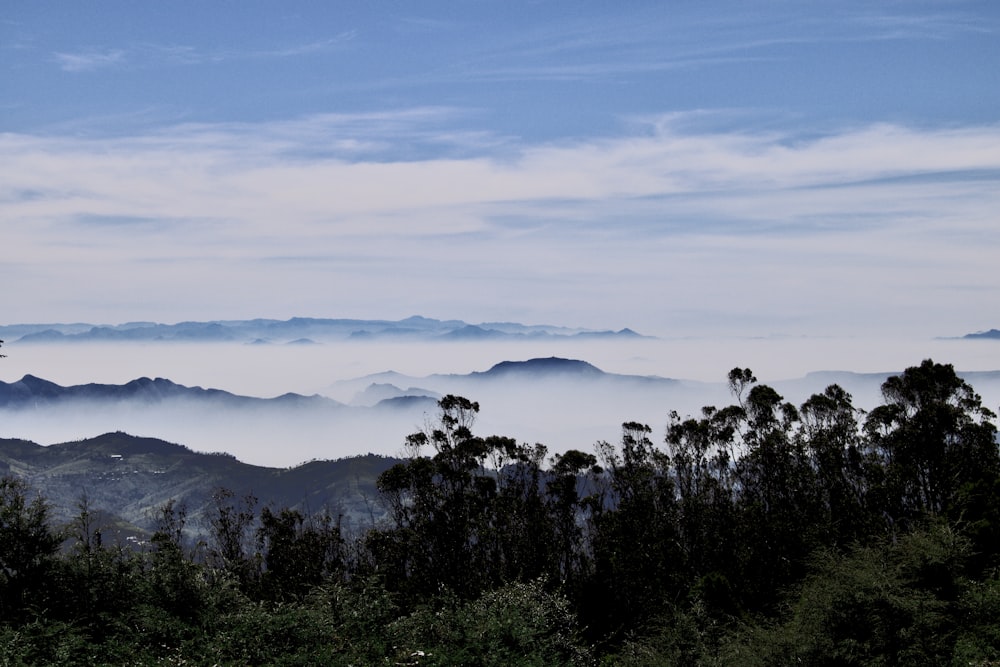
(518, 624)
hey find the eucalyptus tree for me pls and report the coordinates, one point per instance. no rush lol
(702, 460)
(450, 512)
(772, 488)
(937, 447)
(830, 433)
(635, 540)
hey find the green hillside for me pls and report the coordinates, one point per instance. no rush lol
(131, 477)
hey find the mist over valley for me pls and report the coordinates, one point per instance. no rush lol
(278, 401)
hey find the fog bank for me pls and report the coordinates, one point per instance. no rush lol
(557, 413)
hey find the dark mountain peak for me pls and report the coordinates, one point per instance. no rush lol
(27, 389)
(35, 383)
(545, 366)
(992, 333)
(124, 444)
(407, 402)
(147, 382)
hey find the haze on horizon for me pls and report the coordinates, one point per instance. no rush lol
(683, 169)
(558, 413)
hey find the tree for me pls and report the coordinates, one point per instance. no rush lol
(178, 587)
(896, 602)
(441, 507)
(569, 472)
(701, 455)
(935, 440)
(27, 548)
(829, 432)
(232, 523)
(635, 542)
(517, 533)
(774, 484)
(299, 553)
(98, 580)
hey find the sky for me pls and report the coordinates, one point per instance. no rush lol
(751, 168)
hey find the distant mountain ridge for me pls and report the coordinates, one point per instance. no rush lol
(993, 334)
(544, 366)
(561, 402)
(34, 392)
(31, 391)
(297, 330)
(533, 372)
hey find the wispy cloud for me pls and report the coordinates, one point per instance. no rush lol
(347, 164)
(320, 46)
(751, 221)
(883, 24)
(668, 38)
(153, 55)
(86, 61)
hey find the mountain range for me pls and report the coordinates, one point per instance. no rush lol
(563, 403)
(370, 413)
(560, 402)
(126, 479)
(299, 330)
(32, 392)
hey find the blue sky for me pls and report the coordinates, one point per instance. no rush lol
(682, 168)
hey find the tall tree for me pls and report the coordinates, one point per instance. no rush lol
(27, 547)
(701, 456)
(933, 436)
(441, 507)
(774, 484)
(829, 432)
(635, 540)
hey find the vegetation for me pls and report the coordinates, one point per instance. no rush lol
(758, 533)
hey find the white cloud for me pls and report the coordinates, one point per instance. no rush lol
(234, 173)
(630, 230)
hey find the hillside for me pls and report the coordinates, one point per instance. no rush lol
(129, 477)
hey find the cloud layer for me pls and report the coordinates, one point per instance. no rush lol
(403, 211)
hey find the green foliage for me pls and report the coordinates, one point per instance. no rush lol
(890, 604)
(978, 634)
(932, 436)
(683, 635)
(300, 553)
(517, 624)
(232, 523)
(259, 634)
(46, 642)
(27, 547)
